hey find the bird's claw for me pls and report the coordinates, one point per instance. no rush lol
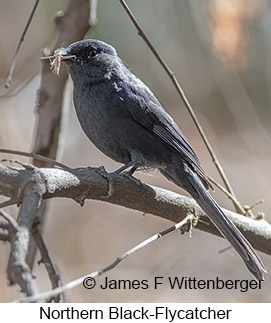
(132, 178)
(110, 178)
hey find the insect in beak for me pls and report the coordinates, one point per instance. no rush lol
(55, 60)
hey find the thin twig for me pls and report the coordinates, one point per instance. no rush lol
(4, 225)
(238, 205)
(45, 258)
(225, 249)
(52, 293)
(9, 77)
(248, 210)
(184, 98)
(7, 203)
(10, 219)
(4, 237)
(35, 156)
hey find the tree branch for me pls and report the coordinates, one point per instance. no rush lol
(185, 226)
(71, 24)
(5, 227)
(10, 219)
(86, 183)
(48, 161)
(31, 194)
(12, 65)
(45, 258)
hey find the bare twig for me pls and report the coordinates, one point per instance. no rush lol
(6, 234)
(18, 270)
(9, 77)
(4, 237)
(237, 204)
(185, 100)
(4, 225)
(33, 155)
(7, 203)
(10, 219)
(250, 207)
(246, 209)
(45, 258)
(187, 222)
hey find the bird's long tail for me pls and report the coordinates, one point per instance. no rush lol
(226, 227)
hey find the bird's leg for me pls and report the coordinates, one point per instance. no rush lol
(129, 174)
(120, 171)
(131, 171)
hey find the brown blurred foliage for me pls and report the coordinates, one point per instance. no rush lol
(230, 22)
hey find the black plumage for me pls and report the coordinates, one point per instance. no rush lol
(123, 119)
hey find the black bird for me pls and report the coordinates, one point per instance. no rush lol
(123, 118)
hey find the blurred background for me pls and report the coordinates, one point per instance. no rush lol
(220, 52)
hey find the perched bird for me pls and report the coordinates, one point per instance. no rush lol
(123, 118)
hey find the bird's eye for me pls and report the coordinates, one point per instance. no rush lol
(93, 52)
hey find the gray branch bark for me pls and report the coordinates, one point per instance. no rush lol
(71, 24)
(81, 184)
(31, 195)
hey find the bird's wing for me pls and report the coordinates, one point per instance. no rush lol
(148, 112)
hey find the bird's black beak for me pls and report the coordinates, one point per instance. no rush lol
(63, 54)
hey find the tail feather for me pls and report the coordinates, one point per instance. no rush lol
(226, 227)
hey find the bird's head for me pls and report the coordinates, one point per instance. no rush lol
(91, 57)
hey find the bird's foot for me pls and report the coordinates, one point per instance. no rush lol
(110, 178)
(132, 178)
